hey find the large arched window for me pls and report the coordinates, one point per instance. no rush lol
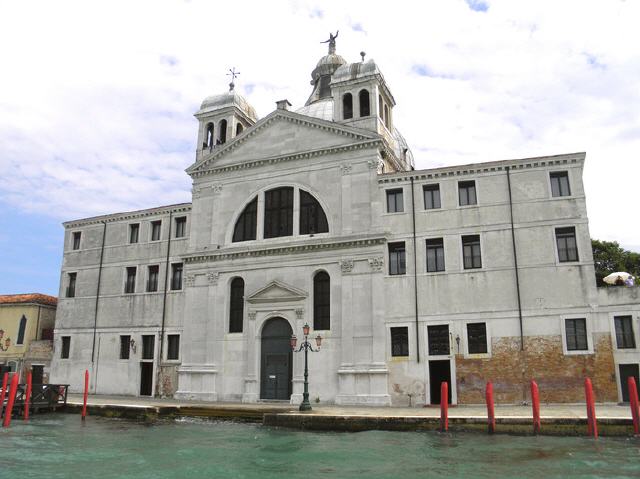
(223, 131)
(347, 106)
(365, 108)
(312, 217)
(21, 330)
(239, 128)
(245, 229)
(278, 212)
(321, 301)
(209, 138)
(236, 309)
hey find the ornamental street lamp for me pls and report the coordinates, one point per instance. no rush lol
(306, 346)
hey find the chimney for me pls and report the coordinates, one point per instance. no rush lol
(283, 104)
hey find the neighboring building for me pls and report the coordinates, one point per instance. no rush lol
(465, 273)
(26, 334)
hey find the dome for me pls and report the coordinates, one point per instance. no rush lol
(327, 65)
(225, 100)
(322, 109)
(353, 71)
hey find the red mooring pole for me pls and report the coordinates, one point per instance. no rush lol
(633, 402)
(535, 405)
(27, 397)
(592, 425)
(12, 398)
(444, 406)
(5, 380)
(491, 416)
(86, 392)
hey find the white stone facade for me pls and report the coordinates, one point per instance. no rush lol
(348, 166)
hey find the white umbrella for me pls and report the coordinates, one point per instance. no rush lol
(613, 277)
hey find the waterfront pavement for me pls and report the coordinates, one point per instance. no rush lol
(547, 411)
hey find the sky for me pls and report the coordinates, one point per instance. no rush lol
(97, 97)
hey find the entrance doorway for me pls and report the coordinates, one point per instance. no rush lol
(439, 371)
(37, 374)
(276, 360)
(626, 371)
(146, 379)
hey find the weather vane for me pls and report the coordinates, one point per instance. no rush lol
(233, 74)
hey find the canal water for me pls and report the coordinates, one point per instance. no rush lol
(60, 446)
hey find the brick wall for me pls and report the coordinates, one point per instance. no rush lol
(560, 377)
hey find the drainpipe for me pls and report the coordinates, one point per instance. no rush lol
(515, 260)
(38, 322)
(415, 270)
(164, 303)
(95, 317)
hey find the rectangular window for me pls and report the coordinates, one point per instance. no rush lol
(438, 340)
(152, 278)
(435, 255)
(156, 227)
(624, 332)
(566, 242)
(130, 283)
(395, 203)
(576, 334)
(471, 252)
(173, 347)
(560, 183)
(134, 233)
(148, 346)
(397, 258)
(66, 346)
(181, 226)
(467, 193)
(71, 285)
(431, 196)
(477, 338)
(77, 235)
(125, 345)
(400, 341)
(176, 276)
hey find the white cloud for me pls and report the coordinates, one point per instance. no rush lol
(96, 98)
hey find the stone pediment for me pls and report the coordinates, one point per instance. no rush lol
(278, 135)
(277, 292)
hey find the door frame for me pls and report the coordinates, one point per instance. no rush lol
(440, 357)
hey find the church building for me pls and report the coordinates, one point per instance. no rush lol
(466, 274)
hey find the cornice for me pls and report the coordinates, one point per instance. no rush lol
(488, 167)
(279, 115)
(283, 249)
(366, 144)
(128, 215)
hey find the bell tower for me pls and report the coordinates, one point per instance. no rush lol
(222, 118)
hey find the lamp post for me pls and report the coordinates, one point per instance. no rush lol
(306, 346)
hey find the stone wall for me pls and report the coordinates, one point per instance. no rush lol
(560, 377)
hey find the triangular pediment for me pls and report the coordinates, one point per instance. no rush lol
(280, 134)
(277, 292)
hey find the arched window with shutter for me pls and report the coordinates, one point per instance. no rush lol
(347, 106)
(365, 107)
(321, 301)
(245, 228)
(21, 330)
(223, 131)
(236, 309)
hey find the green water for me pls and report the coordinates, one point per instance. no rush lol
(60, 446)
